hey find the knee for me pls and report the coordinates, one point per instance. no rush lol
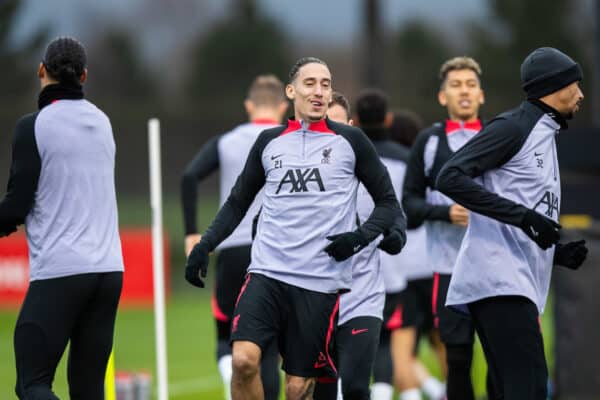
(299, 388)
(245, 363)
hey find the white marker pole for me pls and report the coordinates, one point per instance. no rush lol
(157, 256)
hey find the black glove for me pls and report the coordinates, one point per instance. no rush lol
(7, 230)
(570, 255)
(197, 265)
(345, 245)
(542, 230)
(393, 241)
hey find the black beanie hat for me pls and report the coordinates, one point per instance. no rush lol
(546, 70)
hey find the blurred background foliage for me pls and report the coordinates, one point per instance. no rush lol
(197, 72)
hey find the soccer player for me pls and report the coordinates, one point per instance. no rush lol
(61, 186)
(509, 177)
(408, 303)
(265, 106)
(361, 309)
(461, 94)
(310, 169)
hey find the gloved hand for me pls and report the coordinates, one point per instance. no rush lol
(542, 230)
(570, 255)
(393, 241)
(197, 265)
(345, 245)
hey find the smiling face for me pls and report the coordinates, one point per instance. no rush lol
(461, 94)
(310, 92)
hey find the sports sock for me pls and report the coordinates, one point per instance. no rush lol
(433, 388)
(226, 370)
(410, 394)
(382, 391)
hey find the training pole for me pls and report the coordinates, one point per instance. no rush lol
(157, 257)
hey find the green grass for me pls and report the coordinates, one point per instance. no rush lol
(190, 329)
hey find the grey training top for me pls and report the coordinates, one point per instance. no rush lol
(423, 203)
(310, 174)
(510, 167)
(372, 266)
(228, 153)
(63, 176)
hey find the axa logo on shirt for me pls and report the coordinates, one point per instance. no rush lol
(298, 180)
(549, 204)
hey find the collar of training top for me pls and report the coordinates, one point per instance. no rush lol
(555, 115)
(319, 126)
(264, 121)
(452, 125)
(59, 91)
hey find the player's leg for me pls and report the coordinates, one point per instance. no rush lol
(383, 370)
(42, 332)
(246, 382)
(269, 371)
(430, 385)
(92, 338)
(357, 346)
(232, 264)
(513, 345)
(457, 333)
(307, 342)
(255, 324)
(403, 340)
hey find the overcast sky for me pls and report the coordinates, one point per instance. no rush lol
(338, 22)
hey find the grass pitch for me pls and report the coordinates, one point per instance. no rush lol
(190, 329)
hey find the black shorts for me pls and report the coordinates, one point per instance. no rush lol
(395, 313)
(232, 264)
(455, 328)
(302, 321)
(416, 304)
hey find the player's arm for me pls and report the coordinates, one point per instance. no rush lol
(23, 178)
(417, 209)
(491, 148)
(201, 166)
(374, 176)
(371, 172)
(247, 185)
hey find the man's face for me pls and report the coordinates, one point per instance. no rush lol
(337, 113)
(310, 92)
(569, 100)
(461, 94)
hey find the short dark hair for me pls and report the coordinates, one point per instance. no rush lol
(340, 100)
(266, 90)
(301, 63)
(371, 107)
(65, 60)
(405, 127)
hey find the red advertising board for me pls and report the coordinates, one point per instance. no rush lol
(137, 281)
